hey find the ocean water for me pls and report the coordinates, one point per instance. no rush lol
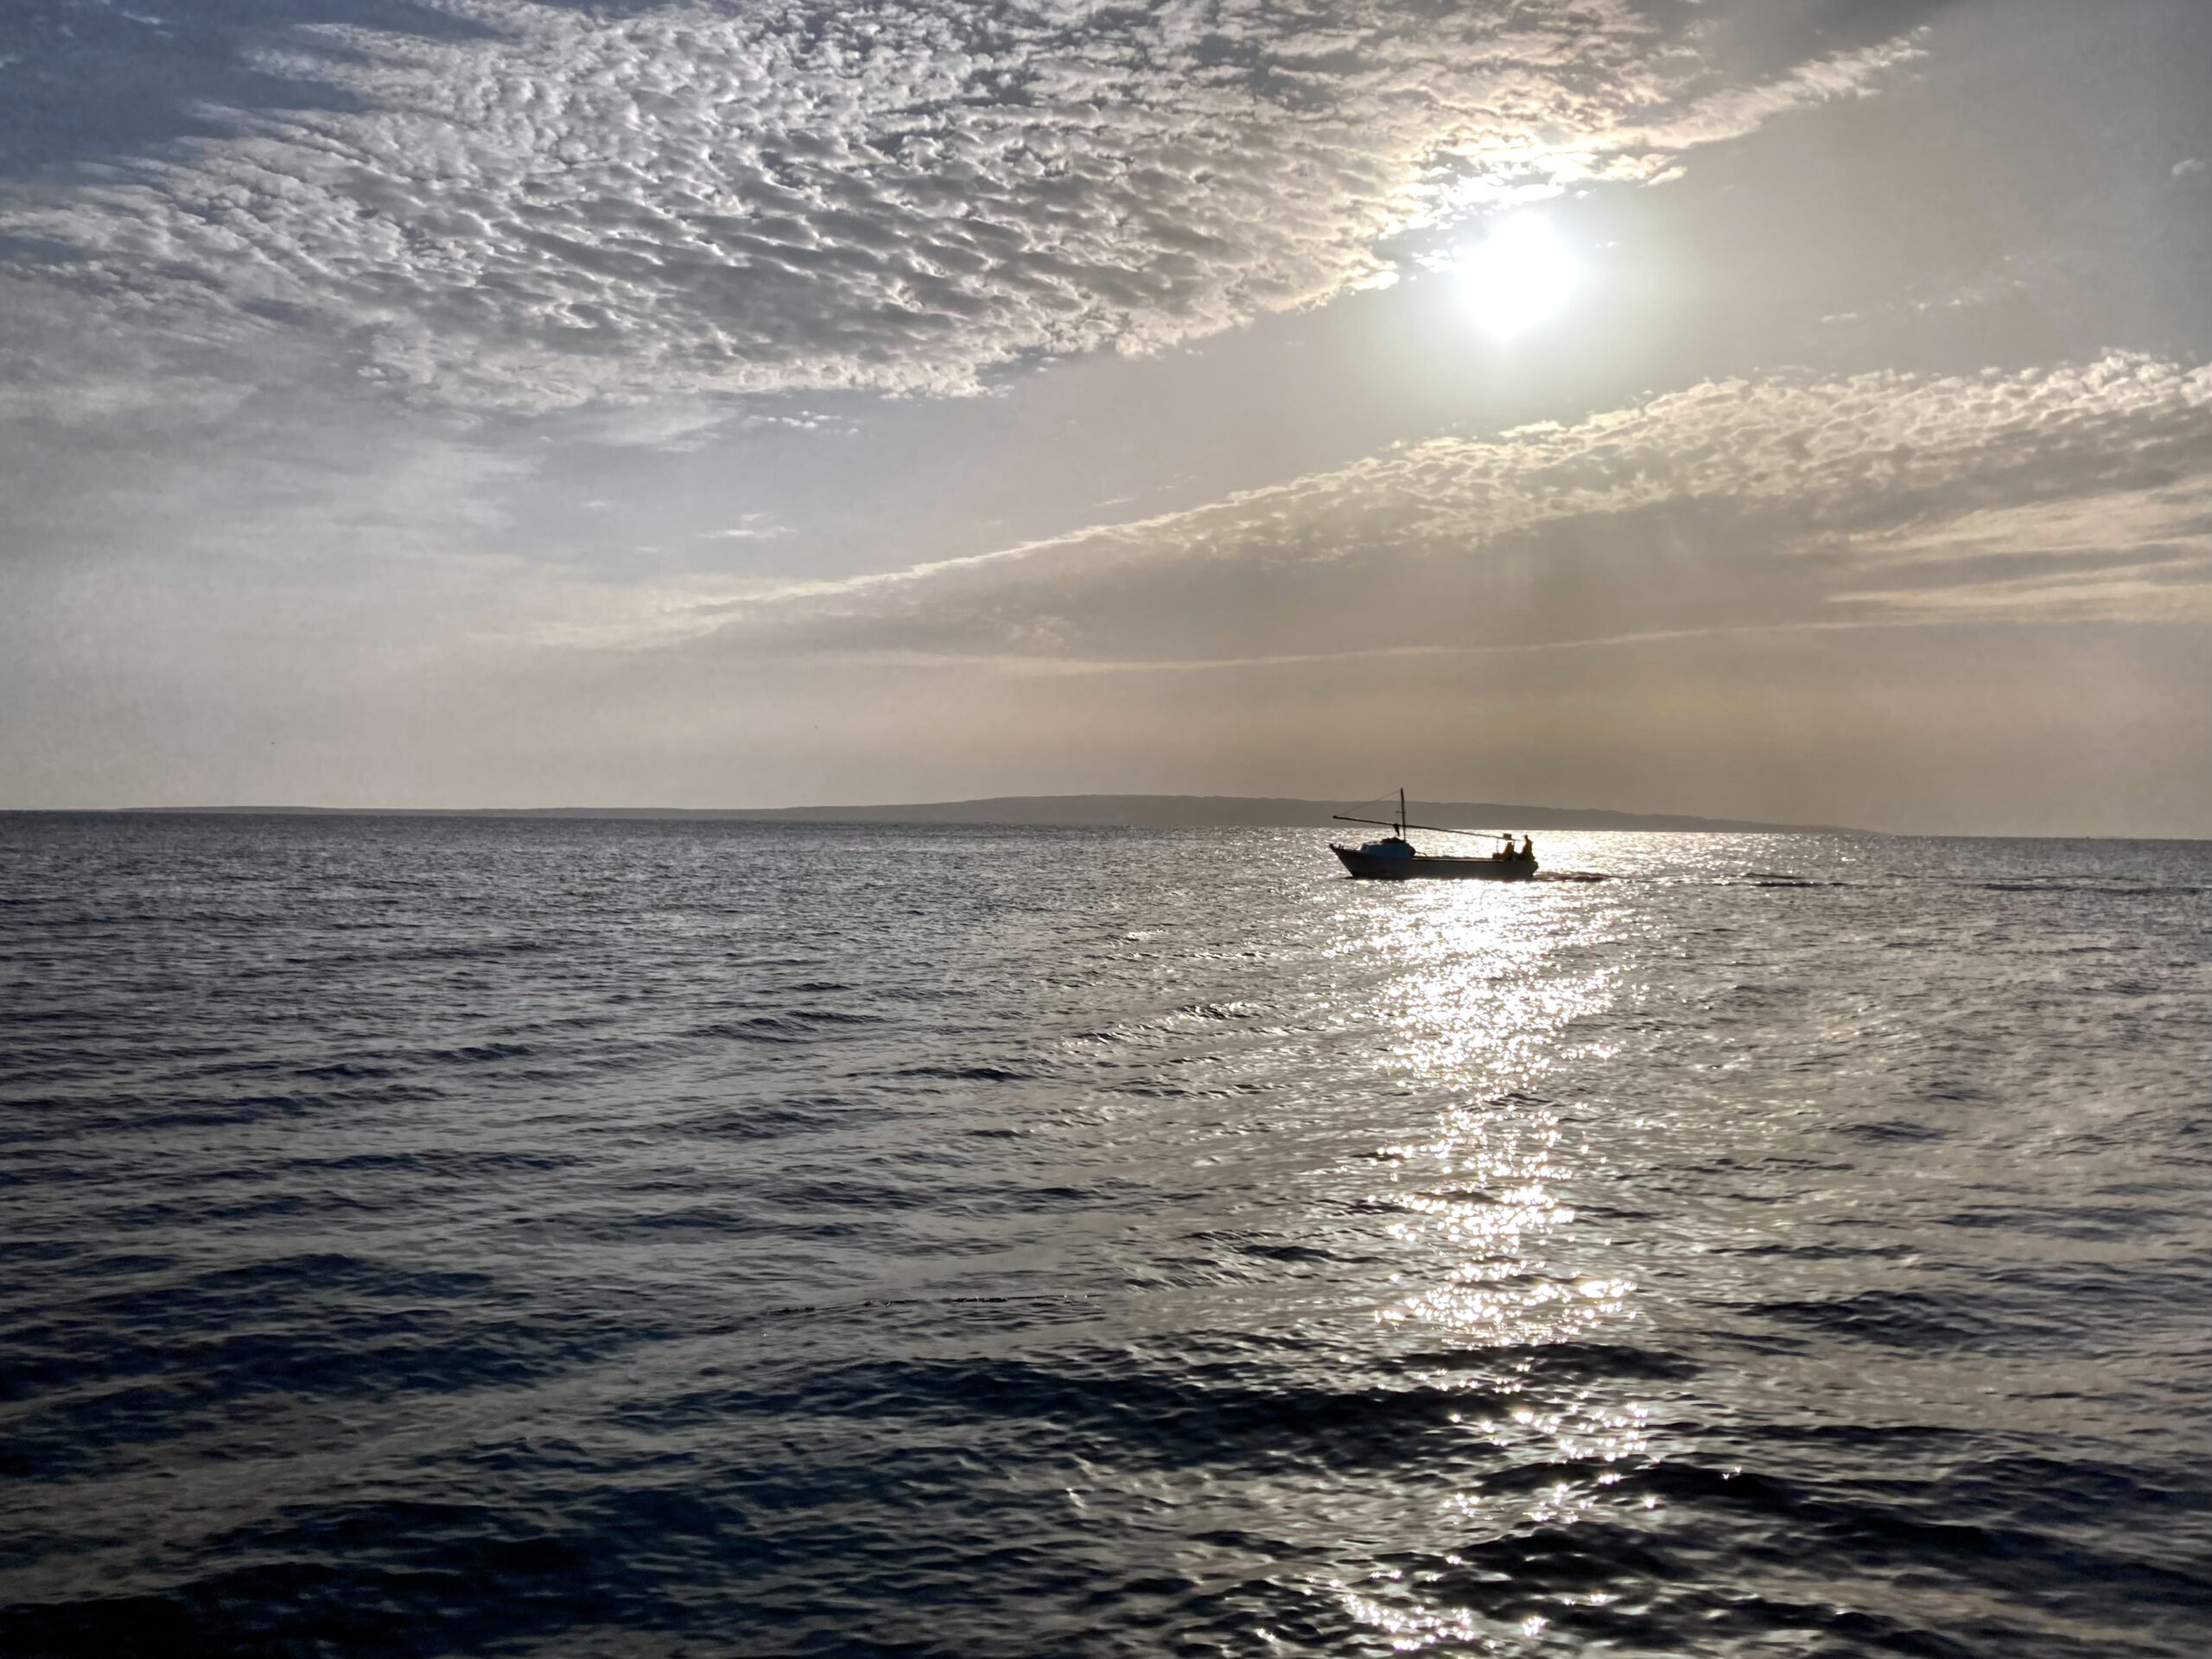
(459, 1237)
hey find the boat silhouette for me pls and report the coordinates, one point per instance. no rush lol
(1394, 858)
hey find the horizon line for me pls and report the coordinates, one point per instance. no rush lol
(818, 812)
(1622, 821)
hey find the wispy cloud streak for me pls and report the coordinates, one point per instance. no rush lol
(2080, 493)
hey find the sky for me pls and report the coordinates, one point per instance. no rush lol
(1797, 410)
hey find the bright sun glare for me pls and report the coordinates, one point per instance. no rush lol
(1517, 276)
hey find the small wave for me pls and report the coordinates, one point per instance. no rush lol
(444, 1163)
(1160, 1416)
(687, 1221)
(2111, 889)
(137, 1114)
(481, 952)
(1906, 1319)
(1895, 1130)
(480, 1053)
(764, 1030)
(768, 1123)
(1827, 1252)
(1267, 1250)
(1568, 1363)
(379, 1579)
(35, 1249)
(243, 1068)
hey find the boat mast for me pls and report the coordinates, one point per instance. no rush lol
(1399, 828)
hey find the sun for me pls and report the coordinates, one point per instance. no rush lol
(1517, 276)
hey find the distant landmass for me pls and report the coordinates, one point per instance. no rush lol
(1133, 811)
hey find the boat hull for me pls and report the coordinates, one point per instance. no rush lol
(1425, 867)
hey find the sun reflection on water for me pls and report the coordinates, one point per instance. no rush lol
(1482, 993)
(1478, 1012)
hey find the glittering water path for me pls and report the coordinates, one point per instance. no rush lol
(454, 1236)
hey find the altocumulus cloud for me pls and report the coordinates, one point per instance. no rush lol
(544, 206)
(2078, 493)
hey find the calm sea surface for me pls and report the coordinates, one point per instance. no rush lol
(454, 1236)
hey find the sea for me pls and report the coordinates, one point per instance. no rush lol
(454, 1235)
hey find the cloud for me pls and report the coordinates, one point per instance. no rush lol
(541, 205)
(2079, 492)
(1646, 145)
(752, 527)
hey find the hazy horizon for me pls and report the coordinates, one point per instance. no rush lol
(1552, 818)
(1796, 412)
(1126, 810)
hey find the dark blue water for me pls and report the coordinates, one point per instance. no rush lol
(452, 1237)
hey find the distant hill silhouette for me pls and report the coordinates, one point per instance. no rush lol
(1137, 811)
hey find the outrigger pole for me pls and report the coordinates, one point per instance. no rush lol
(1401, 826)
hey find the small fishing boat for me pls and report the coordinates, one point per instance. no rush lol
(1393, 857)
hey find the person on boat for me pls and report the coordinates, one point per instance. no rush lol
(1529, 848)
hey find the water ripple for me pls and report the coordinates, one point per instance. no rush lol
(466, 1237)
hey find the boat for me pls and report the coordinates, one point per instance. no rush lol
(1393, 858)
